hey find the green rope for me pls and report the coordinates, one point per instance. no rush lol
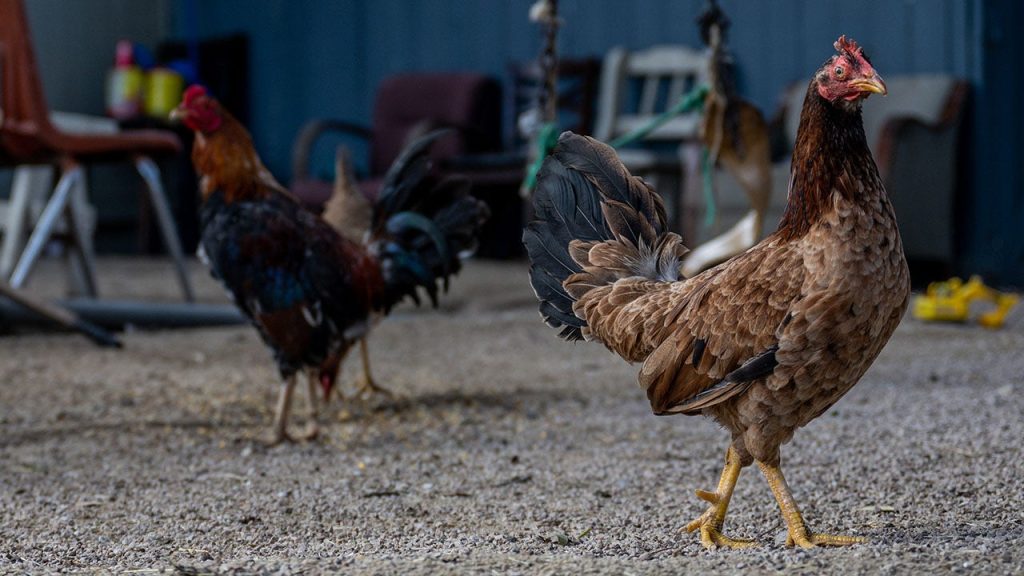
(545, 141)
(693, 100)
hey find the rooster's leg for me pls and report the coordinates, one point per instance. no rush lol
(710, 522)
(367, 386)
(798, 533)
(313, 427)
(284, 403)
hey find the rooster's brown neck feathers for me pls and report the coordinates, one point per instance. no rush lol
(227, 162)
(830, 159)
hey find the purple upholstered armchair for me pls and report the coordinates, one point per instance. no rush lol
(408, 105)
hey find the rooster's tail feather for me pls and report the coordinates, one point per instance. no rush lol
(421, 230)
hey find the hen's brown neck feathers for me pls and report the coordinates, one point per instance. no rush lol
(227, 162)
(830, 157)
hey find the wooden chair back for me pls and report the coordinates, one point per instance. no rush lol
(637, 86)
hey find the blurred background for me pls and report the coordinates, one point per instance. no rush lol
(955, 166)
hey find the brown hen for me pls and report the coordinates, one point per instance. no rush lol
(763, 343)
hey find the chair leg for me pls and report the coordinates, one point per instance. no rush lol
(44, 227)
(27, 180)
(82, 256)
(151, 175)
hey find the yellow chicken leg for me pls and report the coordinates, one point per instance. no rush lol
(283, 411)
(798, 533)
(313, 427)
(710, 522)
(367, 386)
(284, 404)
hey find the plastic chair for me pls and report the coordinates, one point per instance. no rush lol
(27, 137)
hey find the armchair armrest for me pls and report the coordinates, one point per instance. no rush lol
(918, 162)
(895, 128)
(486, 161)
(311, 132)
(468, 133)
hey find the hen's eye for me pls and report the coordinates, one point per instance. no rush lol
(839, 70)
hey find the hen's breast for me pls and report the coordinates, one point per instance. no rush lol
(856, 287)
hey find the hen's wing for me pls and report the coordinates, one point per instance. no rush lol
(703, 340)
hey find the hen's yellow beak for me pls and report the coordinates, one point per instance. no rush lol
(874, 84)
(178, 114)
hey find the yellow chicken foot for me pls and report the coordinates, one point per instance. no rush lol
(710, 522)
(798, 533)
(366, 386)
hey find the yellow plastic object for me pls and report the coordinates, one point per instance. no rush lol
(163, 92)
(950, 301)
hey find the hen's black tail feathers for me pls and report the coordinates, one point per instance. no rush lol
(595, 224)
(421, 227)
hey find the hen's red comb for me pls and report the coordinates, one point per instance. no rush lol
(844, 45)
(194, 91)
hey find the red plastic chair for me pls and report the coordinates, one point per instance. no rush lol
(28, 137)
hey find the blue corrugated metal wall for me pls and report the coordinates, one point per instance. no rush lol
(326, 57)
(994, 243)
(315, 58)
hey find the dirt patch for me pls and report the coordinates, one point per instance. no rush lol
(509, 452)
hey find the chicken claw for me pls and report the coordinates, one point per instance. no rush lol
(366, 386)
(798, 535)
(808, 540)
(279, 437)
(312, 433)
(711, 538)
(710, 525)
(710, 522)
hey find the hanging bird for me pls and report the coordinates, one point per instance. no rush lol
(735, 136)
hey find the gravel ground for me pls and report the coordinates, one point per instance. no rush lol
(510, 452)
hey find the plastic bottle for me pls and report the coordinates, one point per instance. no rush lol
(124, 84)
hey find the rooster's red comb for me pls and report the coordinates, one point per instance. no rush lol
(194, 91)
(844, 45)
